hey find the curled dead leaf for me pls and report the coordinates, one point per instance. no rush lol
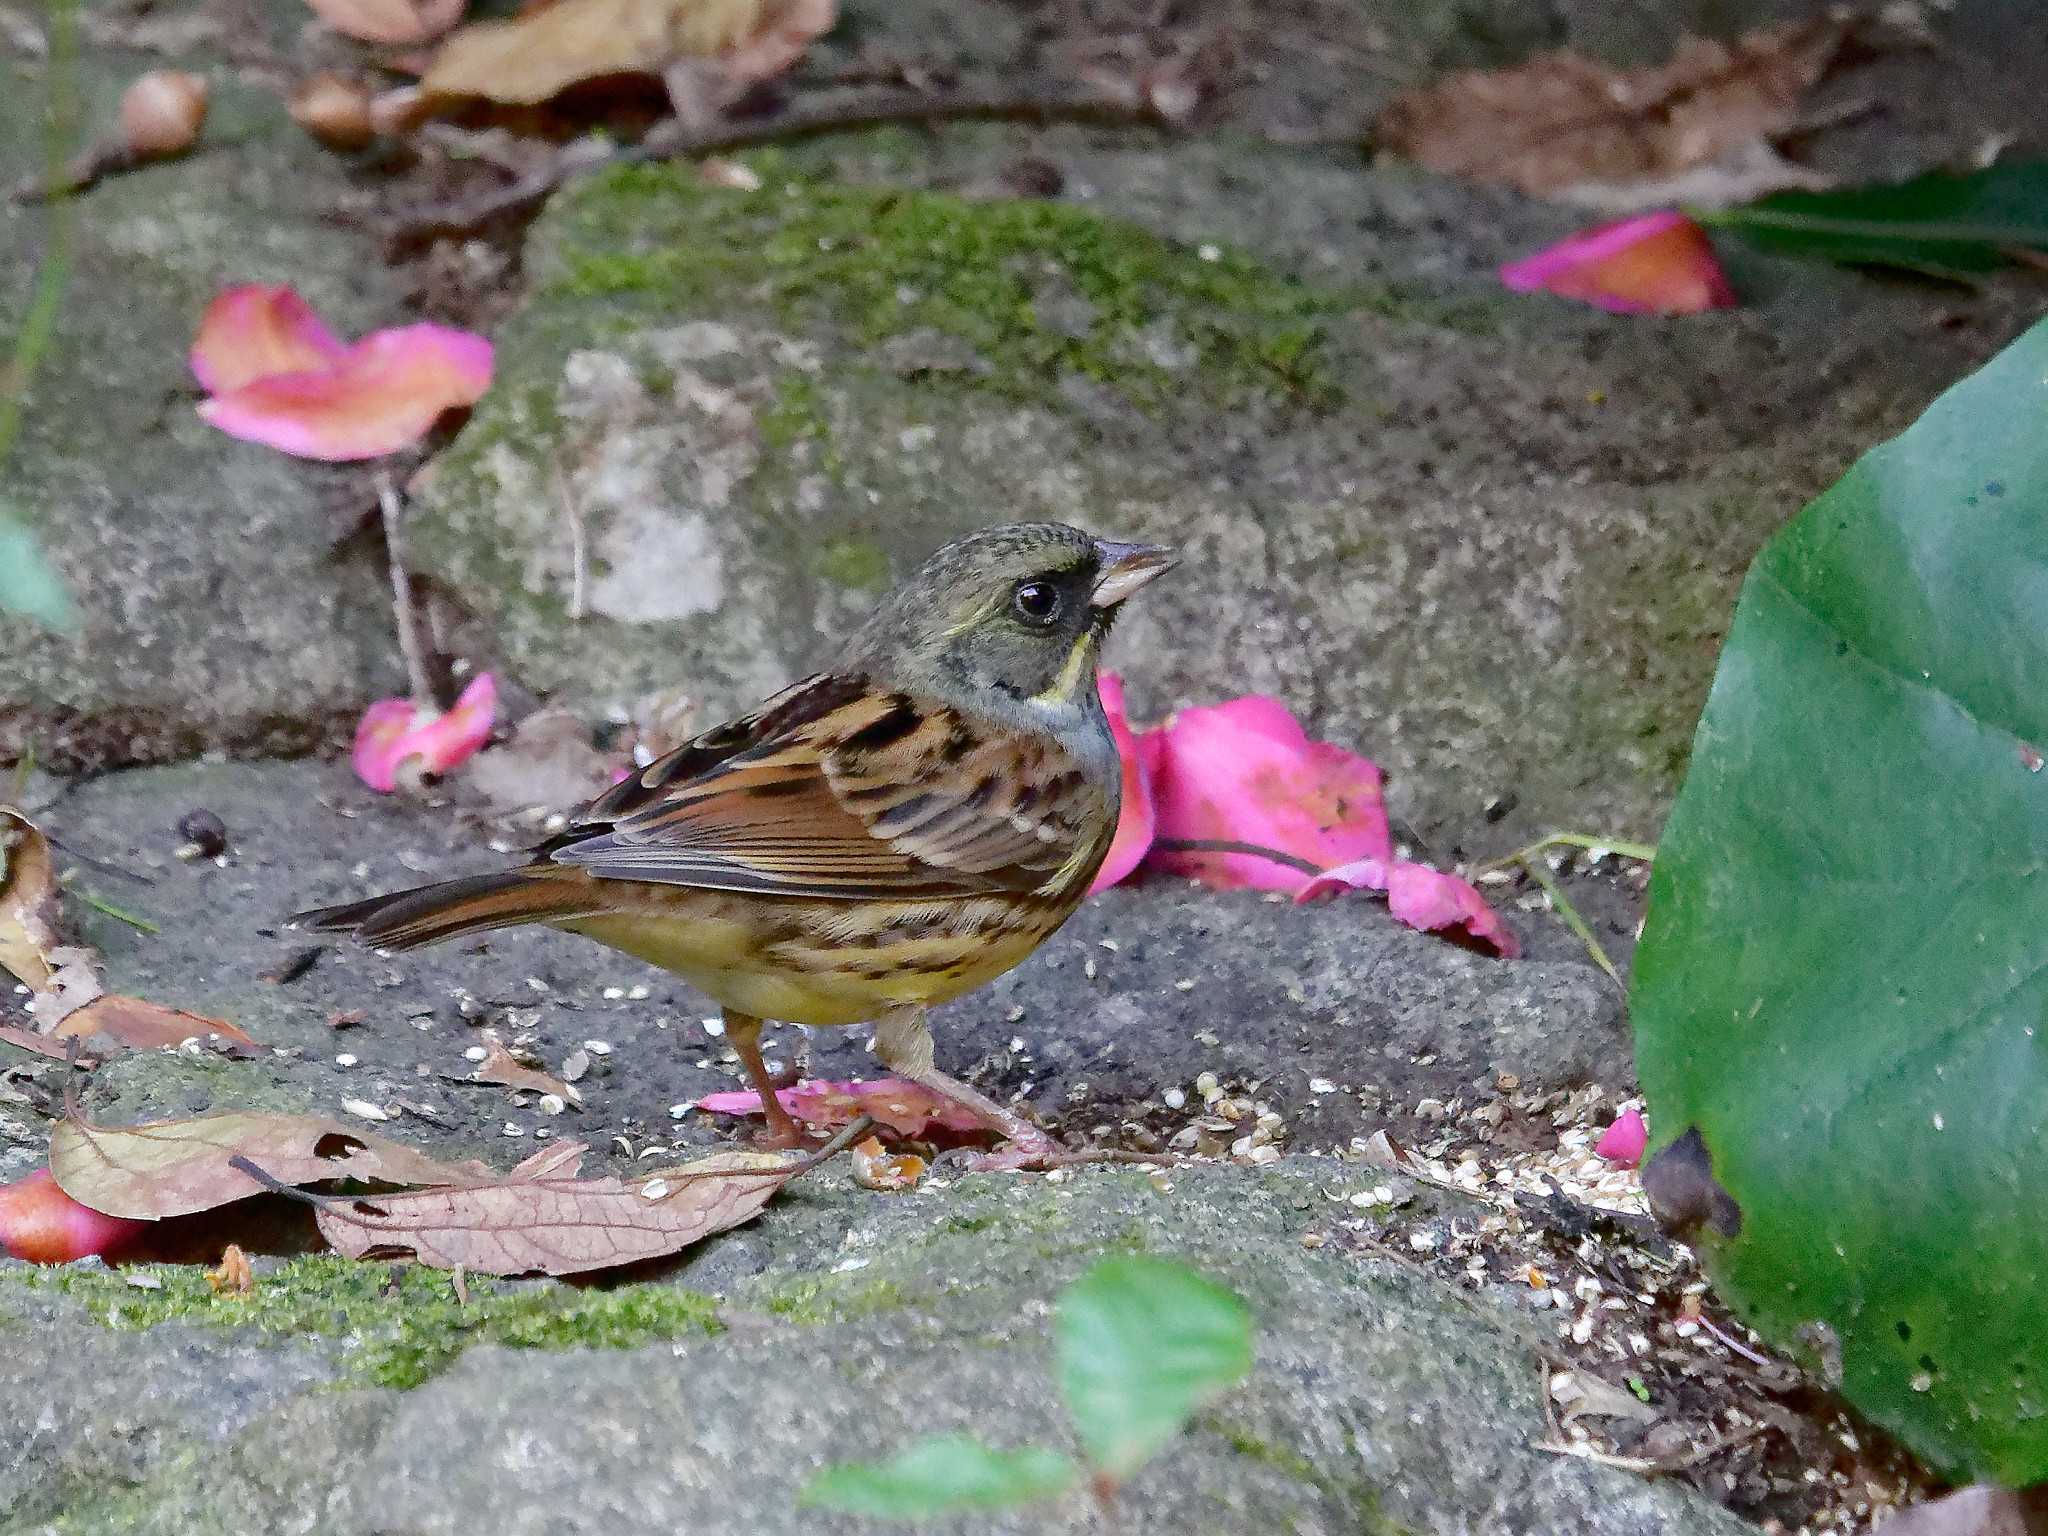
(137, 1025)
(538, 56)
(234, 1276)
(551, 1225)
(1560, 120)
(874, 1168)
(30, 900)
(175, 1167)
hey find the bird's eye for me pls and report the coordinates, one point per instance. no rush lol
(1036, 602)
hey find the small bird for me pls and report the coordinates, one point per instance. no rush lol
(872, 841)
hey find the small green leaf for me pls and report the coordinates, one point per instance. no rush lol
(940, 1476)
(27, 584)
(1143, 1343)
(1941, 224)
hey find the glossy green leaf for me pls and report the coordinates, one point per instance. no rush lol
(1943, 224)
(942, 1476)
(1841, 999)
(1143, 1343)
(27, 584)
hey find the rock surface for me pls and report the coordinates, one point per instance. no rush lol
(215, 610)
(1333, 1015)
(1380, 1402)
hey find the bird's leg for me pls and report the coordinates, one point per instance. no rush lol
(905, 1045)
(744, 1031)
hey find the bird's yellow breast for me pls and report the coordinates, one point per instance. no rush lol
(827, 963)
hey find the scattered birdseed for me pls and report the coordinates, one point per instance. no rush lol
(677, 1111)
(512, 1128)
(363, 1109)
(575, 1066)
(552, 1104)
(1183, 985)
(613, 994)
(345, 1060)
(476, 1053)
(1108, 944)
(714, 1027)
(654, 1189)
(1088, 967)
(637, 993)
(598, 1047)
(1321, 1085)
(1174, 1098)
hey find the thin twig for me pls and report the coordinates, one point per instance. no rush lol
(1226, 845)
(579, 545)
(393, 511)
(98, 905)
(1740, 1348)
(671, 140)
(1646, 852)
(1561, 904)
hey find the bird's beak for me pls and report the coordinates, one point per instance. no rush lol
(1123, 568)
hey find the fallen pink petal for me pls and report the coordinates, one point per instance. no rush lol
(1138, 817)
(277, 376)
(1247, 772)
(1625, 1140)
(1653, 264)
(257, 331)
(904, 1107)
(1421, 897)
(42, 1225)
(398, 741)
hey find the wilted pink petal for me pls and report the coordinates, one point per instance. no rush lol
(1246, 772)
(43, 1225)
(1653, 264)
(1137, 818)
(255, 332)
(1624, 1141)
(378, 396)
(904, 1107)
(395, 732)
(1419, 896)
(1429, 899)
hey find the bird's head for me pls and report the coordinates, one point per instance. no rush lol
(1009, 618)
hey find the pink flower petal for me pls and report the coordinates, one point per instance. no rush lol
(375, 758)
(1419, 896)
(256, 331)
(380, 395)
(904, 1107)
(1653, 264)
(1246, 772)
(1137, 818)
(1624, 1141)
(1429, 899)
(43, 1225)
(396, 732)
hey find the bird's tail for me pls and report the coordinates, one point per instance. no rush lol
(431, 913)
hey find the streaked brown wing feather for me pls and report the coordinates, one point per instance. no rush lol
(848, 793)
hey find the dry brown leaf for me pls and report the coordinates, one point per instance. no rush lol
(558, 1226)
(144, 1026)
(1560, 119)
(505, 1069)
(234, 1276)
(536, 57)
(43, 1045)
(398, 23)
(30, 901)
(176, 1167)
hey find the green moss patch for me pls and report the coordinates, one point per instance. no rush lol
(399, 1326)
(1041, 291)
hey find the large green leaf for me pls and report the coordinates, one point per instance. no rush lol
(942, 1476)
(1940, 223)
(1841, 1000)
(1143, 1343)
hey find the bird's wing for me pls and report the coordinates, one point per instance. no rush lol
(837, 790)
